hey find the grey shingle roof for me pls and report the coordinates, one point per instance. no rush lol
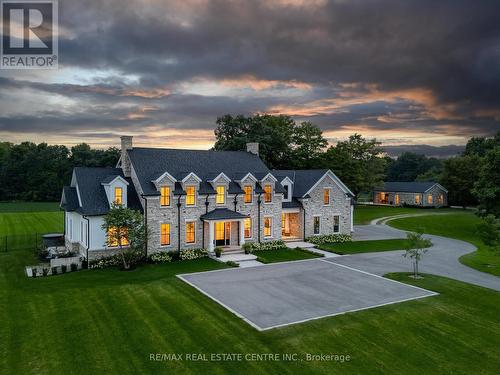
(149, 163)
(293, 204)
(303, 180)
(406, 187)
(92, 193)
(69, 201)
(223, 214)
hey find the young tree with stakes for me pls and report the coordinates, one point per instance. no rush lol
(416, 247)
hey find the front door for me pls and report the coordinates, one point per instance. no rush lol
(222, 233)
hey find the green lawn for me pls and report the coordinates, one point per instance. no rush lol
(28, 206)
(110, 321)
(460, 225)
(274, 256)
(356, 247)
(365, 214)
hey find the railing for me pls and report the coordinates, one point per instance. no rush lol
(16, 242)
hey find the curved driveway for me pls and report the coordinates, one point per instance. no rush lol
(441, 259)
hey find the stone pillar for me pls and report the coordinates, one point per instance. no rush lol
(210, 246)
(242, 232)
(352, 214)
(253, 148)
(126, 144)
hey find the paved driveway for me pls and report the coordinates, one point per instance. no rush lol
(441, 259)
(280, 294)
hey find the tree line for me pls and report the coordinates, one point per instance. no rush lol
(37, 172)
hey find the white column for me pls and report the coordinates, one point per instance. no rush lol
(352, 216)
(210, 236)
(242, 232)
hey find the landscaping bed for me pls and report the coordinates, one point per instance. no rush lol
(356, 247)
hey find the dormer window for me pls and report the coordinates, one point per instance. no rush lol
(221, 194)
(190, 195)
(165, 196)
(287, 192)
(118, 195)
(248, 193)
(268, 193)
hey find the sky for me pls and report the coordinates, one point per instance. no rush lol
(420, 75)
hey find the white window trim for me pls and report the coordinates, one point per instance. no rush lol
(317, 216)
(333, 224)
(264, 227)
(252, 195)
(171, 197)
(251, 229)
(225, 195)
(170, 235)
(195, 197)
(185, 232)
(329, 197)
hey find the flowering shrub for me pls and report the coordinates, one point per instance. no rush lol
(329, 238)
(160, 257)
(105, 262)
(271, 245)
(189, 254)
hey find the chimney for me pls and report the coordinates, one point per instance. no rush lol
(253, 148)
(125, 161)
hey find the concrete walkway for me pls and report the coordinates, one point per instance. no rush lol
(441, 259)
(311, 247)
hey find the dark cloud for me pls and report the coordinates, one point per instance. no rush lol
(450, 50)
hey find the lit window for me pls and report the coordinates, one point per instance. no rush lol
(429, 199)
(397, 199)
(336, 223)
(118, 195)
(165, 196)
(316, 224)
(221, 194)
(268, 193)
(326, 196)
(165, 234)
(248, 228)
(190, 232)
(190, 195)
(417, 198)
(115, 235)
(441, 199)
(248, 193)
(268, 223)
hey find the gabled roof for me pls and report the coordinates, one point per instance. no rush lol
(69, 199)
(223, 214)
(149, 163)
(304, 180)
(408, 187)
(92, 194)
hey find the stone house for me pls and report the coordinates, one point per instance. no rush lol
(424, 194)
(203, 199)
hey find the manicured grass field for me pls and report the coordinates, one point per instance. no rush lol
(460, 225)
(29, 206)
(356, 247)
(111, 321)
(274, 256)
(365, 214)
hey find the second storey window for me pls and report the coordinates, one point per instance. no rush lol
(248, 193)
(268, 193)
(165, 234)
(190, 232)
(118, 195)
(165, 196)
(326, 197)
(221, 194)
(268, 226)
(190, 195)
(248, 228)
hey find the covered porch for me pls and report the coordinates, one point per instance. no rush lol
(223, 228)
(291, 224)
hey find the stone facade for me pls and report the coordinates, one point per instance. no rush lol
(340, 205)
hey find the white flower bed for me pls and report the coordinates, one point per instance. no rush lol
(329, 238)
(160, 257)
(190, 254)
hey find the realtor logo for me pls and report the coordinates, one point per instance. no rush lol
(29, 34)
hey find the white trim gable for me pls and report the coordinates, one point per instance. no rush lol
(268, 175)
(248, 175)
(165, 174)
(334, 177)
(221, 175)
(439, 186)
(287, 182)
(113, 181)
(191, 174)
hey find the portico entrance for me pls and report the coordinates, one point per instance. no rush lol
(223, 227)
